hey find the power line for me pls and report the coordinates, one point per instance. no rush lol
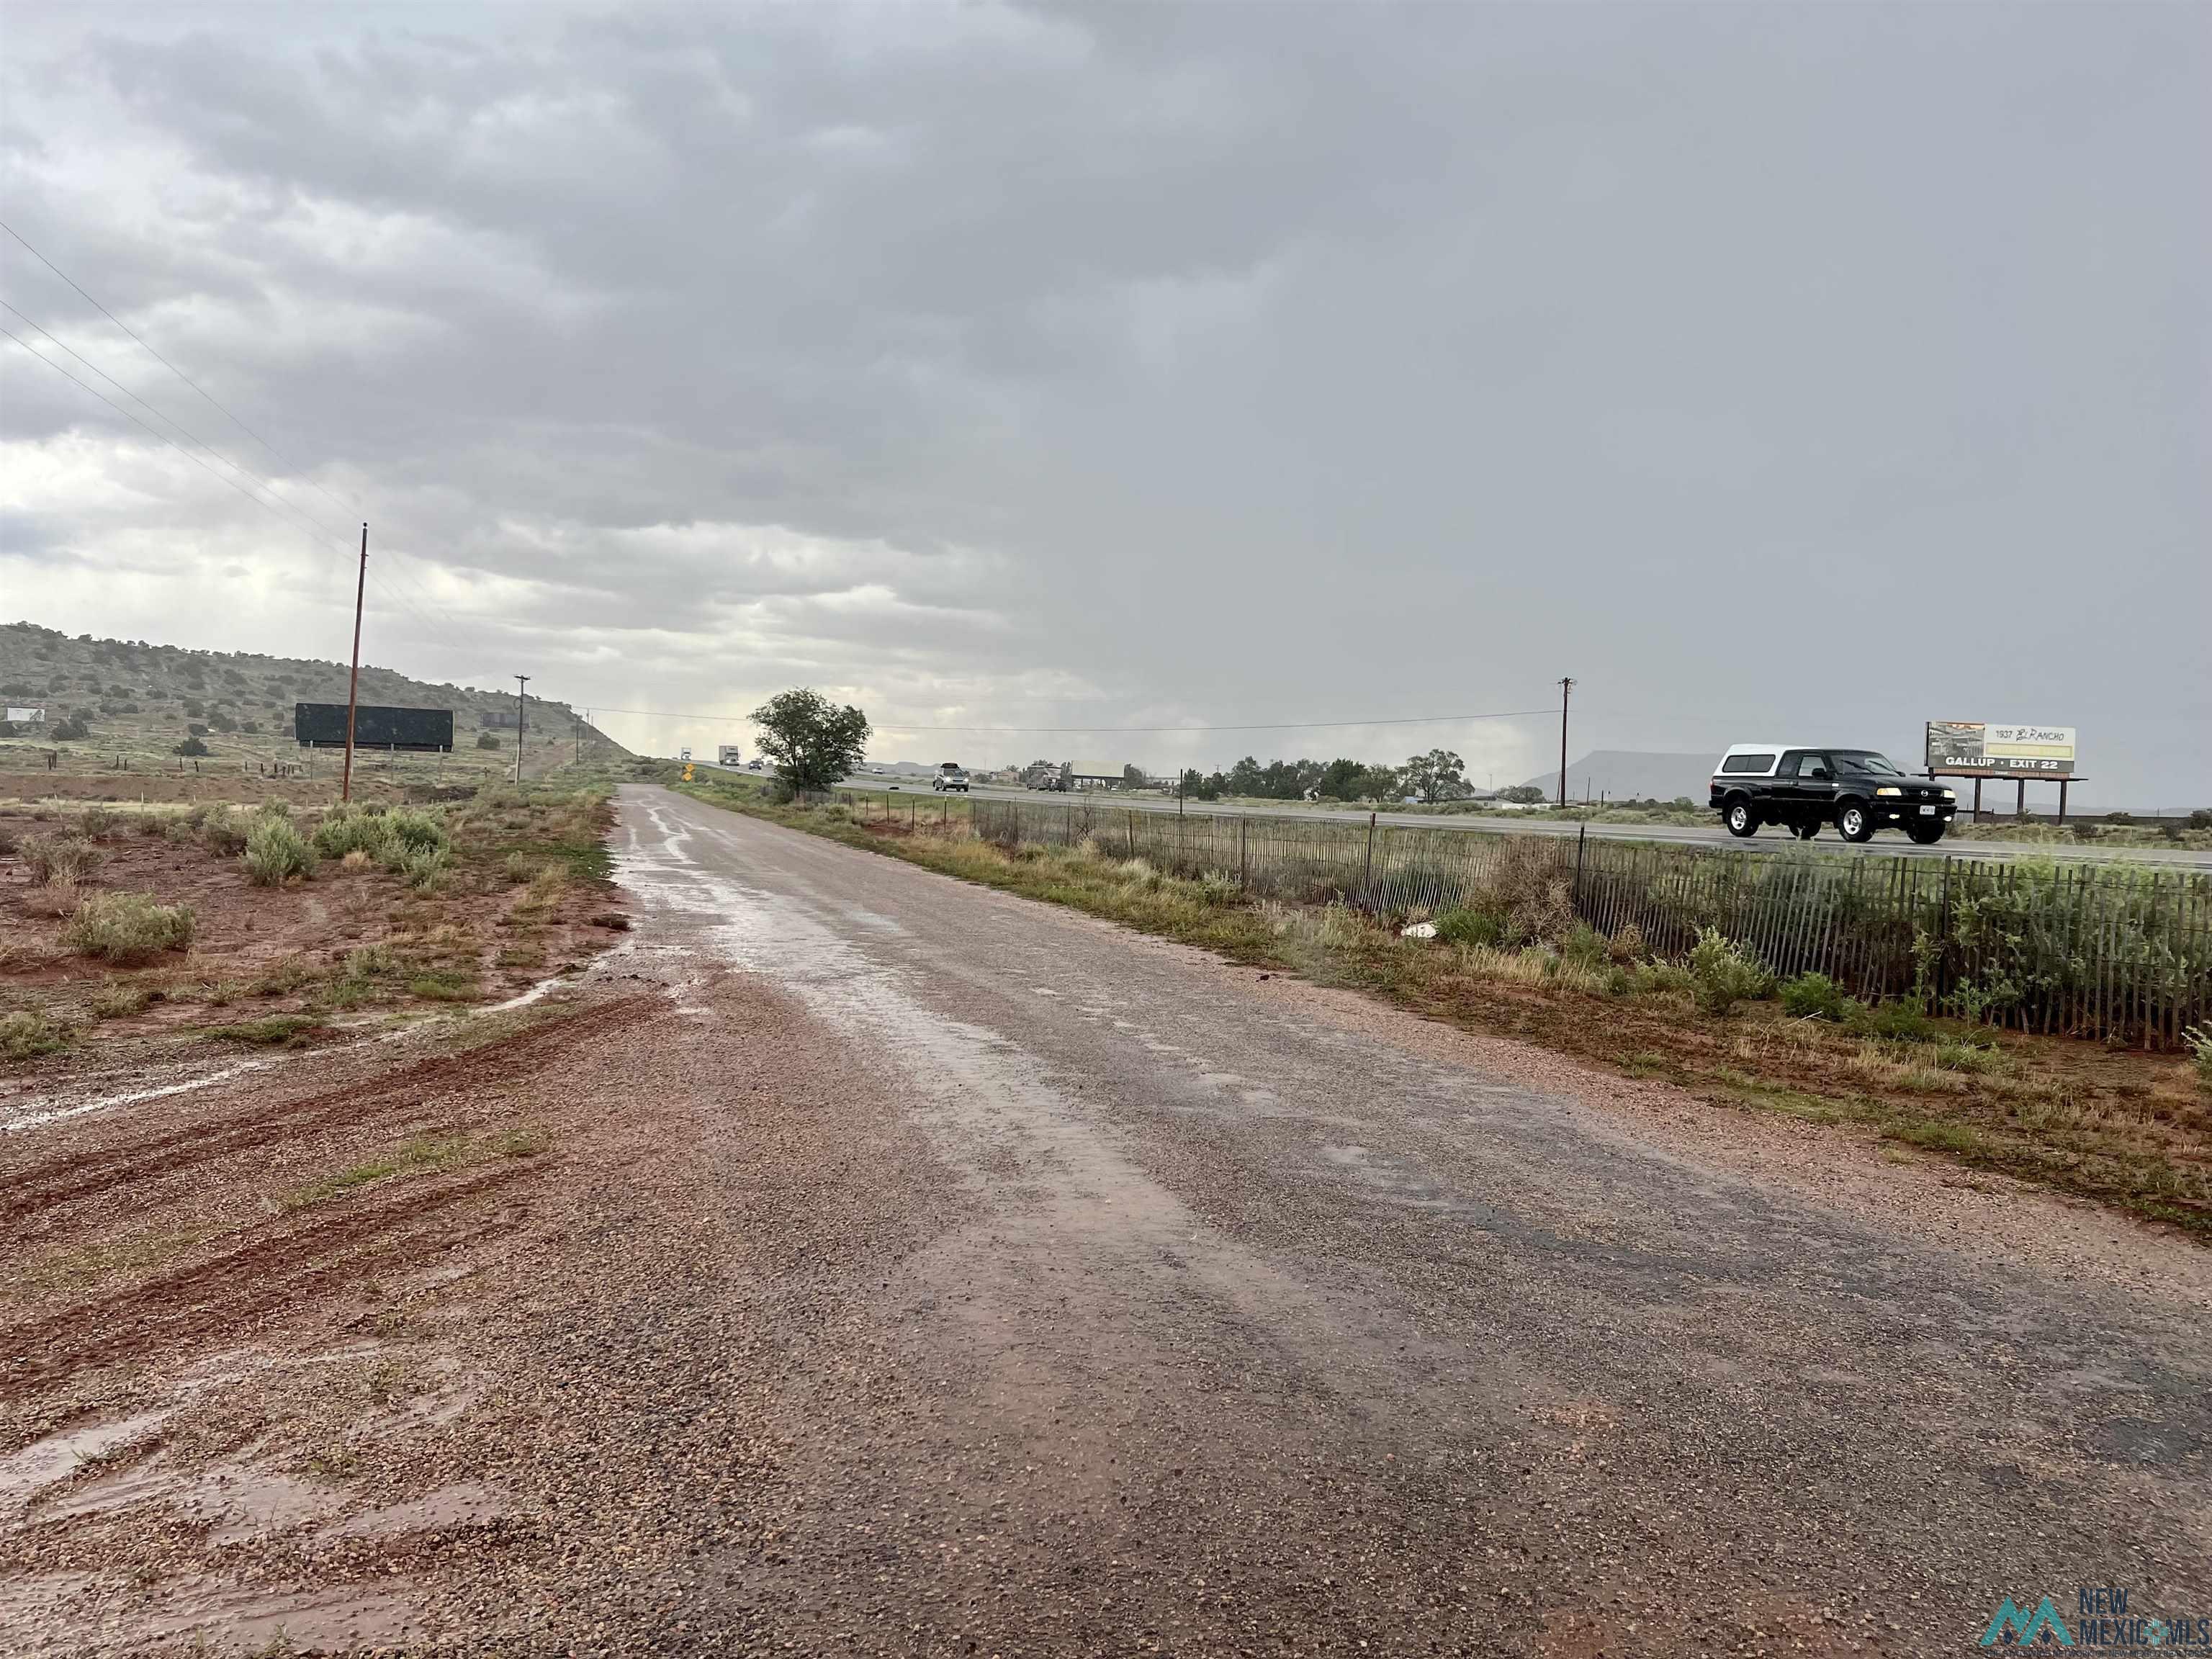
(165, 362)
(1170, 731)
(292, 523)
(295, 469)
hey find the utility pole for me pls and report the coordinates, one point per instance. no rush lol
(579, 737)
(1565, 686)
(521, 722)
(353, 685)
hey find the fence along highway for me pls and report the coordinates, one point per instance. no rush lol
(1713, 834)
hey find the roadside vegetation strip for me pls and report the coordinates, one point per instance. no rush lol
(114, 923)
(2127, 1128)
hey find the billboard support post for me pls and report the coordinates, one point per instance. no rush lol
(353, 683)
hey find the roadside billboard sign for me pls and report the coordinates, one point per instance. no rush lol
(1986, 749)
(24, 716)
(322, 725)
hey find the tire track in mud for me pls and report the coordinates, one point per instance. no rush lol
(40, 1188)
(262, 1277)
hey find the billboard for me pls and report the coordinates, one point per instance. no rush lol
(322, 725)
(727, 755)
(24, 716)
(1977, 748)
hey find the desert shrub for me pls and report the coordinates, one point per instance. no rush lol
(64, 859)
(415, 830)
(2199, 1039)
(1722, 973)
(347, 829)
(127, 927)
(24, 1034)
(97, 823)
(486, 740)
(520, 868)
(1902, 1020)
(1218, 891)
(1527, 889)
(1583, 946)
(154, 825)
(7, 841)
(1627, 947)
(222, 833)
(276, 851)
(1815, 996)
(1464, 926)
(191, 746)
(71, 730)
(422, 868)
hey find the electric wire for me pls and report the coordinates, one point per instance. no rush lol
(1156, 731)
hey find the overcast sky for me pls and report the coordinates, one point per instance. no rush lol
(1770, 370)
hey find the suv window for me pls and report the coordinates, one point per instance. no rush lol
(1747, 763)
(1865, 760)
(1806, 765)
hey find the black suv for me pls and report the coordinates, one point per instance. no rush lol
(1857, 790)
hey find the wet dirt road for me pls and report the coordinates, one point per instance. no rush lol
(1151, 1306)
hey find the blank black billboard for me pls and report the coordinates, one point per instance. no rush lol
(322, 725)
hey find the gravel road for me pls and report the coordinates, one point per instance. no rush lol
(855, 1261)
(1187, 1310)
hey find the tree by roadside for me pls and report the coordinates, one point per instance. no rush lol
(813, 741)
(1523, 794)
(1437, 775)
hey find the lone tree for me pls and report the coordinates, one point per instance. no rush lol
(812, 742)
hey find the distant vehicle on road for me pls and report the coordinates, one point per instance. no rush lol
(950, 775)
(1803, 786)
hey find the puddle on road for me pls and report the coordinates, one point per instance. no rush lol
(56, 1458)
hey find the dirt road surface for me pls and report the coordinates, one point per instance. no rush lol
(908, 1269)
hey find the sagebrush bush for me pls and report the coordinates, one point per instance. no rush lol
(422, 868)
(127, 927)
(62, 860)
(1722, 973)
(276, 851)
(1627, 947)
(347, 829)
(520, 868)
(1815, 996)
(97, 823)
(222, 833)
(1584, 945)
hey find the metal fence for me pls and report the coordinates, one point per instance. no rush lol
(2094, 950)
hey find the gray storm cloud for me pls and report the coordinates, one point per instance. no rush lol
(1821, 369)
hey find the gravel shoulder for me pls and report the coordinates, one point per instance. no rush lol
(858, 1261)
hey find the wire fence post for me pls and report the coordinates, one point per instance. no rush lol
(1243, 877)
(1582, 842)
(1368, 880)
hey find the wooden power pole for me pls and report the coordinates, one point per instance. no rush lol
(353, 684)
(521, 721)
(1565, 686)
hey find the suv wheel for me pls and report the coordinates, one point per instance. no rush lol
(1740, 819)
(1806, 831)
(1927, 833)
(1854, 822)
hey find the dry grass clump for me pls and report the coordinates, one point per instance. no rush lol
(63, 858)
(123, 929)
(25, 1034)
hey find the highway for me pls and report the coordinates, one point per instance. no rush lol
(1887, 843)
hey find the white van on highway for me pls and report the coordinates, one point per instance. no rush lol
(950, 775)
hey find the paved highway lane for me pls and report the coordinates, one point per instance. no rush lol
(1885, 843)
(1190, 1311)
